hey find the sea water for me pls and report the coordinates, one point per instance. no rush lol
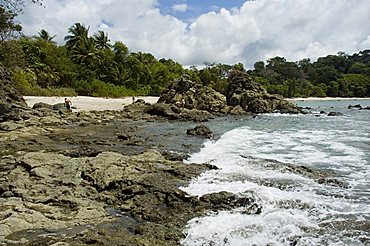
(297, 209)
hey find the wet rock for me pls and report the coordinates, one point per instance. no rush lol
(332, 182)
(201, 131)
(358, 106)
(335, 114)
(366, 108)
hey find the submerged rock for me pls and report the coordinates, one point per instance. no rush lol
(201, 130)
(335, 114)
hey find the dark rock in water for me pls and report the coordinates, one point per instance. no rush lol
(366, 108)
(355, 106)
(42, 105)
(252, 97)
(335, 114)
(200, 130)
(322, 112)
(332, 182)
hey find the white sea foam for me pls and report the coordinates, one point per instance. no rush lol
(295, 208)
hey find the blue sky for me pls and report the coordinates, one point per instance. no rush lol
(196, 7)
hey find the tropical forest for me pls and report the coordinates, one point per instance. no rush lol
(91, 65)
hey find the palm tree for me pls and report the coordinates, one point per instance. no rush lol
(101, 40)
(77, 32)
(44, 35)
(85, 52)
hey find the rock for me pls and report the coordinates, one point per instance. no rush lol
(8, 92)
(5, 108)
(366, 108)
(243, 92)
(42, 105)
(355, 106)
(201, 130)
(10, 126)
(185, 93)
(335, 114)
(59, 106)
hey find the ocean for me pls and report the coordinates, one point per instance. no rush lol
(253, 154)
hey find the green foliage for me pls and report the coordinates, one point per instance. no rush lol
(334, 75)
(25, 80)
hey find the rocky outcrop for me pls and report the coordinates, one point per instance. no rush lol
(188, 94)
(243, 92)
(100, 199)
(201, 130)
(243, 96)
(8, 92)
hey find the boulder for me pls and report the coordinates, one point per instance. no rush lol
(42, 105)
(201, 130)
(335, 114)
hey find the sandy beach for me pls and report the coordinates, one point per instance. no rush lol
(84, 103)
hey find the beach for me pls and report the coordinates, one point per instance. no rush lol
(85, 103)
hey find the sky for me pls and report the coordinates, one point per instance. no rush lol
(221, 31)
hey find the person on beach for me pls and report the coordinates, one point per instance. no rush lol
(133, 99)
(68, 104)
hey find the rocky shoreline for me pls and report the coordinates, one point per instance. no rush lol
(113, 177)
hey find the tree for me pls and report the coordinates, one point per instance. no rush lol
(86, 53)
(78, 32)
(44, 35)
(101, 40)
(9, 10)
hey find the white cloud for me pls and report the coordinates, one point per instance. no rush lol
(182, 7)
(258, 30)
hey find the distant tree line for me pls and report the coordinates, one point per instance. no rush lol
(340, 75)
(91, 65)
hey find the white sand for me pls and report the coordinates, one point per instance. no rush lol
(325, 98)
(83, 103)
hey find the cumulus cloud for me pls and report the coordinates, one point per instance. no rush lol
(256, 31)
(182, 7)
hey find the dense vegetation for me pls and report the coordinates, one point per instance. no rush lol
(90, 65)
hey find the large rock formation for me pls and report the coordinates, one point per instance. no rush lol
(243, 95)
(243, 92)
(188, 94)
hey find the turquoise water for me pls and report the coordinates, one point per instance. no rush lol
(296, 209)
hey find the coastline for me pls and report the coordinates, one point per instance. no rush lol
(326, 99)
(85, 103)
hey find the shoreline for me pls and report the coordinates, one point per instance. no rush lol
(85, 103)
(327, 99)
